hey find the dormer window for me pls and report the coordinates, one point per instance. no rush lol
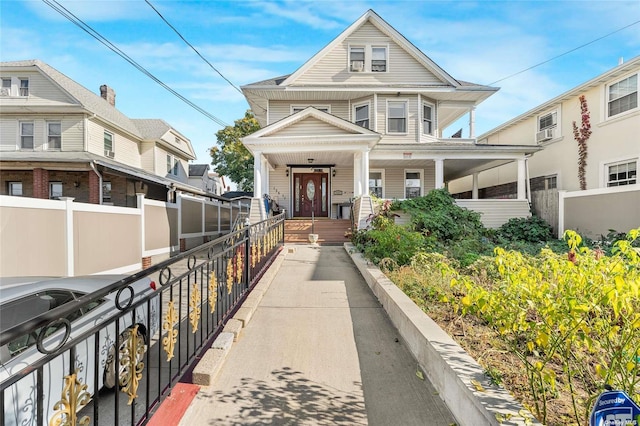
(362, 115)
(24, 87)
(356, 59)
(379, 59)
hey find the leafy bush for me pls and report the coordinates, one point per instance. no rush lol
(393, 242)
(532, 230)
(437, 215)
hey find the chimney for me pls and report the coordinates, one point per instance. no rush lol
(108, 94)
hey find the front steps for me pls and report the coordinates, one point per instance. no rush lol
(330, 231)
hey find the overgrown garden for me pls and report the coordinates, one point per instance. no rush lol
(554, 321)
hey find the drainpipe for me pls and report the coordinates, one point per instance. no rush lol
(526, 165)
(95, 170)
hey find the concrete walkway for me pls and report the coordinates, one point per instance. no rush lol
(319, 349)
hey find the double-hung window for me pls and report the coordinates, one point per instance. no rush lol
(26, 135)
(378, 59)
(108, 145)
(623, 95)
(427, 119)
(54, 135)
(6, 87)
(362, 115)
(24, 87)
(412, 183)
(397, 117)
(376, 183)
(172, 165)
(547, 121)
(356, 59)
(623, 173)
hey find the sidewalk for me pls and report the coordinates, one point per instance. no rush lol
(319, 349)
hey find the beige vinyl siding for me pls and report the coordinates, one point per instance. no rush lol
(280, 188)
(161, 165)
(126, 151)
(42, 91)
(401, 66)
(394, 180)
(71, 126)
(282, 109)
(147, 152)
(8, 134)
(311, 126)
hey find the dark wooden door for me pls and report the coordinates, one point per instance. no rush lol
(310, 194)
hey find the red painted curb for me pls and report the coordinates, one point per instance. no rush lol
(175, 405)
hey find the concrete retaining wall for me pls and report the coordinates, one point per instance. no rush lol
(452, 371)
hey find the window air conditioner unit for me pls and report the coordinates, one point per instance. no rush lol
(4, 92)
(109, 154)
(544, 135)
(357, 66)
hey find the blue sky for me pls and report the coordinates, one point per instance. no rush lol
(248, 41)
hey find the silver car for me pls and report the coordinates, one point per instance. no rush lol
(26, 298)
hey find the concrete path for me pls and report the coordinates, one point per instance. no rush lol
(319, 350)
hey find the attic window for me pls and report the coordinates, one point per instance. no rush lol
(356, 59)
(378, 59)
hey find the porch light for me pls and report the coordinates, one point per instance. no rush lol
(287, 172)
(333, 173)
(310, 160)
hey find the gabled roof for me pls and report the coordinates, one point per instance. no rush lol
(83, 97)
(154, 129)
(311, 112)
(576, 91)
(382, 25)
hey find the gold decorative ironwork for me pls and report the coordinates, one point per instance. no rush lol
(194, 304)
(131, 355)
(229, 275)
(213, 291)
(254, 259)
(259, 243)
(74, 396)
(239, 266)
(170, 320)
(264, 245)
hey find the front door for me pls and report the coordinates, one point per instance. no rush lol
(310, 194)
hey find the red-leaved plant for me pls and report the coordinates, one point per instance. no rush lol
(581, 135)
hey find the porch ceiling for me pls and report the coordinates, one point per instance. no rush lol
(453, 168)
(338, 158)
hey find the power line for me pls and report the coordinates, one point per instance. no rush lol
(192, 47)
(565, 53)
(93, 33)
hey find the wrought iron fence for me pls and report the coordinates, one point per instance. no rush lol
(111, 356)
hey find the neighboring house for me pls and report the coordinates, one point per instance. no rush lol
(59, 139)
(613, 151)
(201, 177)
(366, 115)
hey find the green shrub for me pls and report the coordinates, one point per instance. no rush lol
(532, 230)
(393, 241)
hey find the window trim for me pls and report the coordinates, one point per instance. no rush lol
(21, 88)
(432, 120)
(552, 113)
(21, 135)
(10, 190)
(172, 164)
(607, 165)
(406, 117)
(404, 181)
(48, 141)
(386, 57)
(355, 118)
(111, 141)
(51, 184)
(382, 177)
(608, 101)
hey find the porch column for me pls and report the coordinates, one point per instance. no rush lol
(472, 122)
(257, 174)
(522, 179)
(365, 173)
(357, 174)
(439, 173)
(474, 188)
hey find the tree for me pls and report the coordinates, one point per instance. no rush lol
(230, 157)
(581, 135)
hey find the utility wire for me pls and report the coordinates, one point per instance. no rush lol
(93, 33)
(193, 48)
(565, 53)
